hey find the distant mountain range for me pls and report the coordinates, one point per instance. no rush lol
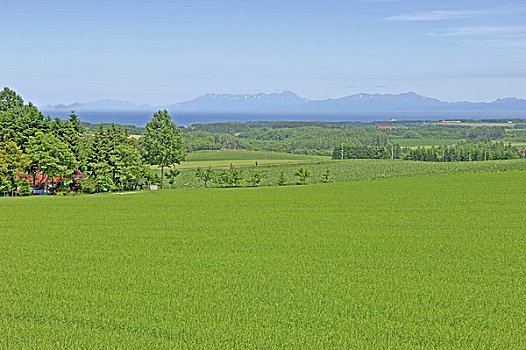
(252, 103)
(407, 104)
(101, 105)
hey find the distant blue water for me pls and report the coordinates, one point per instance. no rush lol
(141, 117)
(138, 118)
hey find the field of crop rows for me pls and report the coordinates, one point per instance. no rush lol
(426, 262)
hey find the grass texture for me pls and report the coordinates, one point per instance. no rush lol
(422, 262)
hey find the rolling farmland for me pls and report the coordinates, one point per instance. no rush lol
(435, 261)
(263, 175)
(347, 170)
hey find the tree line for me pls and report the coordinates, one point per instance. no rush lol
(234, 177)
(461, 152)
(38, 153)
(464, 152)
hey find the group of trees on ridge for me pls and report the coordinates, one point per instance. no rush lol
(320, 138)
(461, 152)
(234, 177)
(61, 155)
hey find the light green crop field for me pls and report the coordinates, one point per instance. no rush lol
(356, 169)
(222, 159)
(247, 155)
(435, 261)
(504, 124)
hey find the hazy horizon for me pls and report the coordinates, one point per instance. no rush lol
(163, 52)
(140, 103)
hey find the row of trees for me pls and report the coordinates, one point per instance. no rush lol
(61, 155)
(462, 152)
(233, 177)
(393, 151)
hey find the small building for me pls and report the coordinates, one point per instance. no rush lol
(40, 179)
(386, 127)
(450, 121)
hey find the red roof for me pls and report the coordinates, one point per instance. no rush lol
(40, 179)
(389, 127)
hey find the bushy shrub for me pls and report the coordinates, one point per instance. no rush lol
(301, 176)
(24, 188)
(326, 176)
(256, 177)
(88, 185)
(282, 180)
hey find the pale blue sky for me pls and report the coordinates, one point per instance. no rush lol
(167, 51)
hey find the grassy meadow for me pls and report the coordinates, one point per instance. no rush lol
(232, 155)
(435, 261)
(223, 159)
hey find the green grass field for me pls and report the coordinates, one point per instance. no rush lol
(247, 155)
(222, 159)
(435, 261)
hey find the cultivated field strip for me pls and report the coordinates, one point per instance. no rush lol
(424, 262)
(356, 169)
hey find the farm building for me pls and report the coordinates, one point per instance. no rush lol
(450, 122)
(40, 179)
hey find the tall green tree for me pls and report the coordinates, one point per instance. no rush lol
(21, 122)
(12, 164)
(162, 145)
(50, 156)
(71, 132)
(113, 161)
(9, 99)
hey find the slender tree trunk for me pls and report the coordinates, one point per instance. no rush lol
(162, 176)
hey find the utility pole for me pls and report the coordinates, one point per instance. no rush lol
(341, 152)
